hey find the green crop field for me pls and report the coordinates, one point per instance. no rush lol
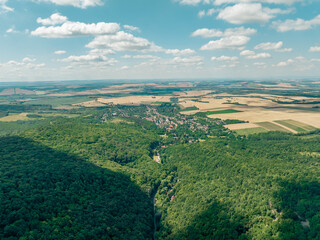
(248, 131)
(297, 126)
(57, 101)
(222, 111)
(272, 127)
(189, 109)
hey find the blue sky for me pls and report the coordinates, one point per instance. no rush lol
(43, 40)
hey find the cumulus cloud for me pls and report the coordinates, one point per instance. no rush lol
(201, 13)
(25, 63)
(276, 46)
(90, 58)
(210, 33)
(285, 63)
(249, 13)
(230, 42)
(219, 2)
(314, 49)
(54, 19)
(183, 52)
(4, 8)
(247, 53)
(259, 63)
(59, 52)
(122, 41)
(189, 2)
(75, 3)
(259, 56)
(145, 57)
(76, 29)
(208, 12)
(12, 30)
(27, 59)
(224, 58)
(296, 25)
(131, 28)
(194, 60)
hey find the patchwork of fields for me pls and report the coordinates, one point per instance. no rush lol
(259, 111)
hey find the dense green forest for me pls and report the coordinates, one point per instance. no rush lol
(50, 194)
(263, 187)
(94, 177)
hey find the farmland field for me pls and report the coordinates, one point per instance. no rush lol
(15, 117)
(247, 131)
(272, 126)
(297, 126)
(57, 101)
(222, 111)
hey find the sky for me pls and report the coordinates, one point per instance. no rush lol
(48, 40)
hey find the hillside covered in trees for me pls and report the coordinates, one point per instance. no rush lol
(94, 177)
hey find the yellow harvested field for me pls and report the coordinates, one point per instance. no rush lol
(132, 85)
(93, 103)
(95, 91)
(286, 85)
(254, 115)
(16, 117)
(193, 93)
(238, 126)
(135, 100)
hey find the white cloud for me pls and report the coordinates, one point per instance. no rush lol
(259, 63)
(210, 33)
(4, 8)
(269, 45)
(75, 3)
(54, 19)
(102, 51)
(11, 30)
(247, 53)
(89, 58)
(224, 58)
(285, 63)
(59, 52)
(276, 46)
(26, 63)
(230, 42)
(259, 56)
(194, 60)
(145, 57)
(209, 12)
(131, 28)
(122, 41)
(27, 59)
(314, 49)
(296, 25)
(183, 52)
(189, 2)
(201, 13)
(76, 29)
(249, 13)
(124, 68)
(284, 50)
(219, 2)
